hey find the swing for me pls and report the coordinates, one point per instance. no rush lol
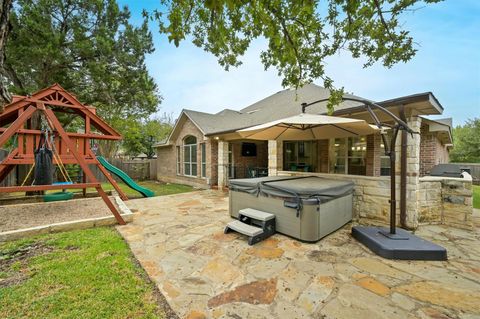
(63, 195)
(42, 167)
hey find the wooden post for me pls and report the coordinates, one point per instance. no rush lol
(17, 124)
(81, 161)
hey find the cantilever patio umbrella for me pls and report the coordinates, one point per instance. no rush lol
(307, 126)
(394, 243)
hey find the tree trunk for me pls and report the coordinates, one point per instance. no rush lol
(5, 7)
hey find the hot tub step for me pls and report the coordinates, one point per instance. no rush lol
(256, 214)
(257, 225)
(243, 228)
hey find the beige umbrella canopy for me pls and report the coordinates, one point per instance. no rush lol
(308, 127)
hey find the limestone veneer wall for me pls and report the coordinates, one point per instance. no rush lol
(370, 198)
(444, 200)
(438, 200)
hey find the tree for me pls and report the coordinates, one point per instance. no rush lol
(467, 142)
(300, 34)
(5, 7)
(140, 137)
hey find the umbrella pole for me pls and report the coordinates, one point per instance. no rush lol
(393, 202)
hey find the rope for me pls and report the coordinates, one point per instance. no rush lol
(60, 164)
(28, 175)
(46, 124)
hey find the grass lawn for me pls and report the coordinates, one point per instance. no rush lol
(158, 187)
(476, 196)
(79, 274)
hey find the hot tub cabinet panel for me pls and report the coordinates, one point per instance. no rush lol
(325, 205)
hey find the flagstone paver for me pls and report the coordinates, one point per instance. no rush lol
(204, 273)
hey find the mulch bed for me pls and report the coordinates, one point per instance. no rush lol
(22, 216)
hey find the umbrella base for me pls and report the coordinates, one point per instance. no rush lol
(402, 245)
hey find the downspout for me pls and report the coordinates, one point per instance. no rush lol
(403, 172)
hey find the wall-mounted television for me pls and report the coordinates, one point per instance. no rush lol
(249, 149)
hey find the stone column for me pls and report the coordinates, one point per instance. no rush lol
(275, 157)
(413, 171)
(222, 164)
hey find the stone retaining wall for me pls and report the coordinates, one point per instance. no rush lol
(437, 200)
(370, 198)
(445, 200)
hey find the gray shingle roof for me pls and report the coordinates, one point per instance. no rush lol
(283, 104)
(279, 105)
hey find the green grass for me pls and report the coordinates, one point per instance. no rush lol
(158, 187)
(83, 274)
(476, 196)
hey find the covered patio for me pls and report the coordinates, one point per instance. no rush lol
(204, 273)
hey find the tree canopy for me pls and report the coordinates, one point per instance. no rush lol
(467, 142)
(300, 34)
(90, 48)
(141, 136)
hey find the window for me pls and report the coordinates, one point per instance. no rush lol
(339, 153)
(231, 164)
(384, 159)
(204, 159)
(357, 155)
(300, 156)
(349, 156)
(179, 161)
(190, 156)
(384, 165)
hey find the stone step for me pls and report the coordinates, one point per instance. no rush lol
(256, 214)
(245, 229)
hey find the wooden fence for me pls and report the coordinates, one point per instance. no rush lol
(137, 169)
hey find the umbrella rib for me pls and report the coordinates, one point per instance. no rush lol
(281, 133)
(313, 134)
(351, 132)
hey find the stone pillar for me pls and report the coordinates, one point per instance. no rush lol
(275, 157)
(413, 171)
(222, 164)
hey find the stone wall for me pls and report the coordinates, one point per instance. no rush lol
(371, 195)
(439, 200)
(444, 200)
(275, 157)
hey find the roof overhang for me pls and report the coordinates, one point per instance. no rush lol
(444, 131)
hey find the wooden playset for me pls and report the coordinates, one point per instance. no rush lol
(68, 147)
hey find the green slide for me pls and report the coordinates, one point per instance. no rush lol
(125, 178)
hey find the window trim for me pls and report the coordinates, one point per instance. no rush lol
(298, 145)
(179, 160)
(203, 160)
(346, 157)
(193, 156)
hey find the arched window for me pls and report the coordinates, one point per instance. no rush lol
(190, 156)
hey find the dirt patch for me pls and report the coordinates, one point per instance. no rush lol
(22, 216)
(19, 257)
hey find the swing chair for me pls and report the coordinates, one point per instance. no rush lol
(52, 146)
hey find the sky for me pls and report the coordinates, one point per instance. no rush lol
(447, 64)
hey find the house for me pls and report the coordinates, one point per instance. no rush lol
(204, 149)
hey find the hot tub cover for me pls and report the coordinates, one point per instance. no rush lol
(252, 185)
(304, 187)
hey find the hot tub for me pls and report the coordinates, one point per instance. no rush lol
(307, 208)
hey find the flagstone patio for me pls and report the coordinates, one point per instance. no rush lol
(203, 273)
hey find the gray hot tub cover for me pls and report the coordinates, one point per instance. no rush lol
(252, 185)
(304, 187)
